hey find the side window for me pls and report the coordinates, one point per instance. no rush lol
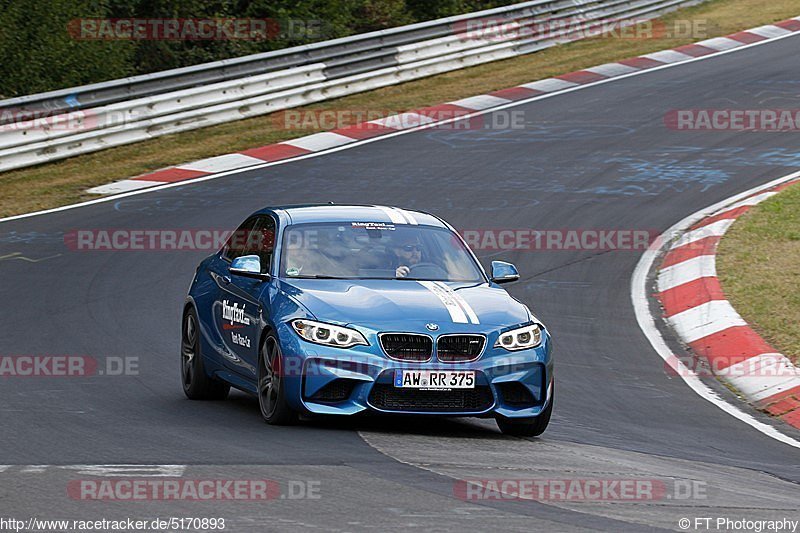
(236, 245)
(256, 236)
(262, 241)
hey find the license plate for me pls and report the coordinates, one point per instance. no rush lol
(434, 379)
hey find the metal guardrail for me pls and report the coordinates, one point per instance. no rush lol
(113, 113)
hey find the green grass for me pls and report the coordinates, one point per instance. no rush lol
(758, 264)
(65, 182)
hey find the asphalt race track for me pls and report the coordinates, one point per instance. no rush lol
(594, 159)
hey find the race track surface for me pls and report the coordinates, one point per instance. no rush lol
(593, 159)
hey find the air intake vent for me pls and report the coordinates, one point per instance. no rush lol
(516, 394)
(390, 398)
(337, 390)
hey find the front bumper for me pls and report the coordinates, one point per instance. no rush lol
(347, 382)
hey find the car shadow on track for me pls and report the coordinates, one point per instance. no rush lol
(410, 424)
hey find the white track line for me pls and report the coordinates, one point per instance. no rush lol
(533, 85)
(639, 297)
(750, 201)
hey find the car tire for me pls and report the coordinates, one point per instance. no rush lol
(271, 390)
(527, 427)
(197, 384)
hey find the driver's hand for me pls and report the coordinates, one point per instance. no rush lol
(401, 271)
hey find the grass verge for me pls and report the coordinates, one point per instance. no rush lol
(64, 182)
(758, 264)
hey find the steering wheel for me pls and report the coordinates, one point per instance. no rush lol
(426, 270)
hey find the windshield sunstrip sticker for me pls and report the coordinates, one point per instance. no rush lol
(456, 312)
(373, 225)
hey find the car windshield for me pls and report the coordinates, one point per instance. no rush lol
(376, 250)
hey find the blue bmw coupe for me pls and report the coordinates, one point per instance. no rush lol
(340, 310)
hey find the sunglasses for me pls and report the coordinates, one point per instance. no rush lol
(412, 247)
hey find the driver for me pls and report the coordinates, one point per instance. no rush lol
(407, 253)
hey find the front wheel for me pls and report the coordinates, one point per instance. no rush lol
(271, 389)
(527, 427)
(197, 385)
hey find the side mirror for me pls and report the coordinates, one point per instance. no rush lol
(248, 266)
(503, 272)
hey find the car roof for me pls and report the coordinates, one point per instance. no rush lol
(300, 214)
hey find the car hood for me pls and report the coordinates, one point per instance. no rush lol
(381, 304)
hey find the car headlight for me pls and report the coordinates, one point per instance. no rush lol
(521, 338)
(328, 334)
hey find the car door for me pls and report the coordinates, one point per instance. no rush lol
(237, 309)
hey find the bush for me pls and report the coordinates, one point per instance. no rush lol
(40, 54)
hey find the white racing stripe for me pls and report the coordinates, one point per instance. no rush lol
(461, 302)
(397, 215)
(393, 215)
(456, 312)
(405, 214)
